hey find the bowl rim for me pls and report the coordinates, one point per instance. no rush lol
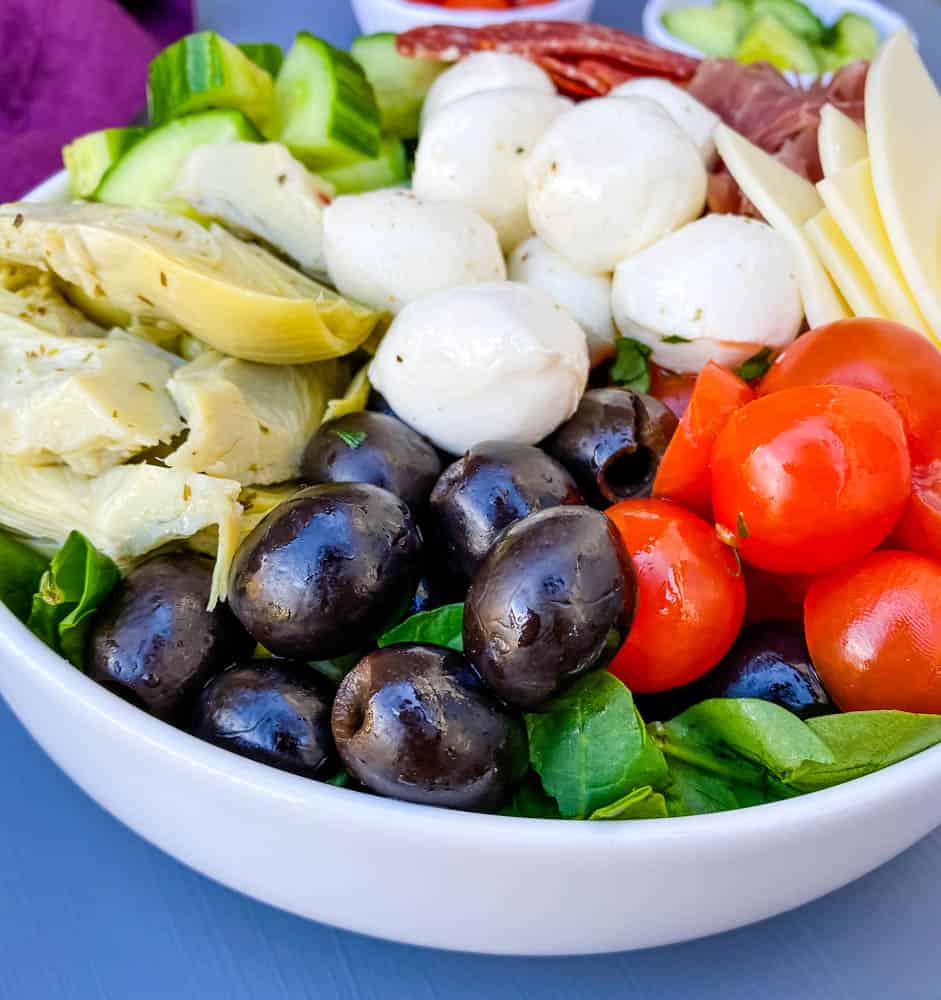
(431, 14)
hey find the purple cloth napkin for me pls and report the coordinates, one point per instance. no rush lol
(69, 67)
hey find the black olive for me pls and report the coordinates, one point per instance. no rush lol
(416, 722)
(614, 444)
(373, 448)
(155, 644)
(379, 404)
(273, 711)
(494, 485)
(326, 571)
(553, 600)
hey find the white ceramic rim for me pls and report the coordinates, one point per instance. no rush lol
(426, 14)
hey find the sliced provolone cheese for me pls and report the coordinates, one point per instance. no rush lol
(788, 202)
(842, 141)
(844, 265)
(850, 197)
(903, 120)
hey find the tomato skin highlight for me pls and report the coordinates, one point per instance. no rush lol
(685, 473)
(874, 633)
(807, 479)
(690, 596)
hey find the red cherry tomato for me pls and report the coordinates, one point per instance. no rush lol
(771, 597)
(690, 596)
(684, 474)
(874, 633)
(920, 527)
(673, 389)
(807, 479)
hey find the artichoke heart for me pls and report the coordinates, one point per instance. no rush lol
(90, 402)
(237, 297)
(246, 421)
(31, 295)
(125, 513)
(354, 400)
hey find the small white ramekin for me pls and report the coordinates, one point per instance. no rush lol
(400, 15)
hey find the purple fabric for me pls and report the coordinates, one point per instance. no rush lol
(69, 67)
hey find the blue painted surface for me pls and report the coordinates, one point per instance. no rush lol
(90, 912)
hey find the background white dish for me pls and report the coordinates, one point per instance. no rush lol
(399, 15)
(454, 880)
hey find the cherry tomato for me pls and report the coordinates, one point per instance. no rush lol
(673, 389)
(684, 474)
(690, 596)
(771, 597)
(920, 527)
(807, 479)
(874, 633)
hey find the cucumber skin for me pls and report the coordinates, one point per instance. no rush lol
(266, 55)
(796, 17)
(89, 157)
(389, 169)
(702, 28)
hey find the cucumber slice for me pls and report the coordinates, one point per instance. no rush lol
(205, 71)
(267, 55)
(401, 84)
(89, 157)
(795, 16)
(854, 37)
(388, 169)
(326, 111)
(714, 31)
(148, 171)
(767, 40)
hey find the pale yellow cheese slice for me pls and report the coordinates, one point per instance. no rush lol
(844, 266)
(788, 202)
(842, 142)
(903, 122)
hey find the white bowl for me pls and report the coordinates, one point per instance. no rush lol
(447, 879)
(400, 15)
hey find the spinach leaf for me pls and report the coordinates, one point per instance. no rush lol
(21, 569)
(341, 779)
(441, 627)
(74, 587)
(531, 802)
(336, 669)
(642, 803)
(694, 791)
(755, 366)
(630, 369)
(590, 746)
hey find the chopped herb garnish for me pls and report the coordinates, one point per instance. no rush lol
(163, 279)
(675, 338)
(18, 220)
(756, 365)
(630, 368)
(352, 439)
(740, 526)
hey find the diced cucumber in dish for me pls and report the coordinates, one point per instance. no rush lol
(267, 55)
(326, 111)
(401, 84)
(795, 16)
(389, 168)
(854, 37)
(89, 157)
(204, 71)
(145, 174)
(767, 40)
(714, 30)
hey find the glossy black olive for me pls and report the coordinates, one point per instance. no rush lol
(273, 711)
(155, 644)
(416, 722)
(373, 448)
(436, 588)
(493, 486)
(553, 600)
(327, 571)
(614, 444)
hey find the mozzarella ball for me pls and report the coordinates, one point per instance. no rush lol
(472, 152)
(485, 71)
(693, 117)
(388, 248)
(490, 362)
(611, 177)
(587, 297)
(720, 289)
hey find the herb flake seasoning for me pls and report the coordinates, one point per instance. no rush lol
(352, 439)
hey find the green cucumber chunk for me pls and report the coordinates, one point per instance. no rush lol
(389, 168)
(204, 71)
(854, 37)
(326, 111)
(714, 31)
(267, 55)
(89, 157)
(795, 16)
(767, 40)
(401, 84)
(145, 174)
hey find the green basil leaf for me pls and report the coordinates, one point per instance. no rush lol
(531, 802)
(341, 779)
(630, 369)
(642, 803)
(590, 746)
(336, 669)
(756, 366)
(74, 587)
(675, 338)
(441, 627)
(694, 791)
(21, 569)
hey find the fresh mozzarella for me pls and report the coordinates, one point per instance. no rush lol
(587, 297)
(388, 248)
(692, 116)
(472, 152)
(498, 361)
(482, 71)
(720, 289)
(611, 177)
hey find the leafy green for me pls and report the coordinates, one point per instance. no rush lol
(755, 366)
(440, 627)
(642, 803)
(531, 802)
(72, 589)
(341, 779)
(21, 569)
(352, 439)
(694, 791)
(675, 338)
(590, 746)
(630, 369)
(336, 669)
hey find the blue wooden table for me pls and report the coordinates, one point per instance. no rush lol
(90, 912)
